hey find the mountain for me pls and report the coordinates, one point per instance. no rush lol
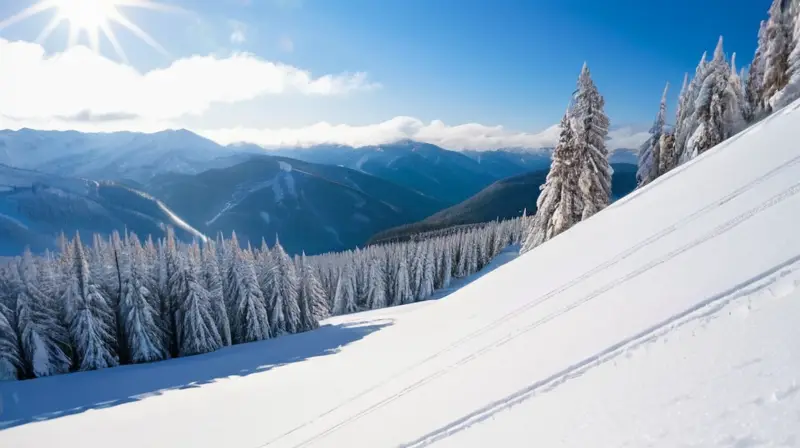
(35, 208)
(445, 175)
(113, 156)
(668, 319)
(312, 207)
(507, 162)
(503, 199)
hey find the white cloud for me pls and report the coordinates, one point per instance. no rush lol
(286, 44)
(464, 136)
(36, 86)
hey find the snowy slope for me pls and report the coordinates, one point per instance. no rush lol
(670, 319)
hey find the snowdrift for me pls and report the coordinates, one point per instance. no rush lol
(669, 319)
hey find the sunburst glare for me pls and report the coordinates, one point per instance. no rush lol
(92, 17)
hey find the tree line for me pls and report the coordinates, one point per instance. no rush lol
(121, 300)
(715, 104)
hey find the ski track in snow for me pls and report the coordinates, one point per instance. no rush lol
(615, 260)
(703, 309)
(721, 229)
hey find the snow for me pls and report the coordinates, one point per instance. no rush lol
(676, 327)
(265, 216)
(285, 166)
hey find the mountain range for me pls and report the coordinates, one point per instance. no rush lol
(504, 199)
(317, 199)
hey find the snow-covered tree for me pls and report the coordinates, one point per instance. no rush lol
(650, 152)
(776, 56)
(140, 319)
(668, 159)
(686, 124)
(88, 315)
(559, 204)
(427, 274)
(212, 282)
(10, 357)
(285, 317)
(344, 302)
(311, 297)
(196, 329)
(754, 89)
(791, 92)
(248, 309)
(402, 286)
(377, 282)
(716, 112)
(591, 130)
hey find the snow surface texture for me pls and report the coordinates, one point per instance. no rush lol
(669, 319)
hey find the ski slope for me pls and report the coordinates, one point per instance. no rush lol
(669, 319)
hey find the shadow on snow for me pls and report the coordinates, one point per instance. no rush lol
(23, 402)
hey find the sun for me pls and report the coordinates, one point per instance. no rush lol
(89, 15)
(92, 17)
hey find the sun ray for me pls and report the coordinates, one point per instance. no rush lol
(149, 4)
(48, 30)
(138, 32)
(109, 33)
(32, 10)
(95, 17)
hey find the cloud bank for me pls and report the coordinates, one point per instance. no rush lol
(35, 86)
(472, 136)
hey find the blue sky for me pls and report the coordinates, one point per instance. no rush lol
(489, 63)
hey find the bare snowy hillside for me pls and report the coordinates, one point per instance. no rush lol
(669, 319)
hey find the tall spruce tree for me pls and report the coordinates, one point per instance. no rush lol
(311, 297)
(141, 321)
(650, 153)
(776, 56)
(754, 89)
(686, 123)
(248, 309)
(88, 315)
(285, 316)
(591, 131)
(559, 204)
(44, 344)
(716, 113)
(212, 282)
(196, 329)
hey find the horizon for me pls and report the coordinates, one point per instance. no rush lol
(293, 73)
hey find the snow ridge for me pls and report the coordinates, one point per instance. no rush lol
(719, 230)
(704, 309)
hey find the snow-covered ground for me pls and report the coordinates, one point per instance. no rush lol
(669, 319)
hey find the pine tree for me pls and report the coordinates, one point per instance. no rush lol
(776, 56)
(88, 316)
(311, 298)
(754, 90)
(285, 317)
(559, 203)
(196, 329)
(344, 302)
(668, 159)
(716, 110)
(428, 273)
(212, 282)
(686, 124)
(377, 291)
(248, 309)
(402, 287)
(791, 92)
(650, 152)
(447, 263)
(138, 315)
(11, 359)
(591, 131)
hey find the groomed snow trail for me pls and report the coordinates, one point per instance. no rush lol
(669, 319)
